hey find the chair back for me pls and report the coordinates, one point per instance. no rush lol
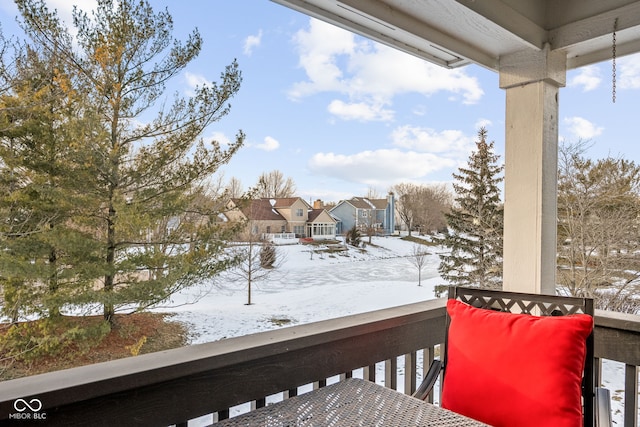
(540, 305)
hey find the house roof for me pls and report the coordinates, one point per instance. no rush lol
(258, 209)
(286, 202)
(315, 213)
(365, 203)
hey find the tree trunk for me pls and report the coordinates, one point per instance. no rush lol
(109, 309)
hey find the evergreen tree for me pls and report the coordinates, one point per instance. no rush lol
(38, 123)
(475, 223)
(130, 221)
(267, 255)
(353, 237)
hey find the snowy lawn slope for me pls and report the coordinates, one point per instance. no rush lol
(311, 287)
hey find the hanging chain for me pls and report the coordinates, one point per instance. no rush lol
(613, 62)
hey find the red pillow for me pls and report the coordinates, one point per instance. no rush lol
(515, 369)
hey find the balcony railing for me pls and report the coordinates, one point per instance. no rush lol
(171, 387)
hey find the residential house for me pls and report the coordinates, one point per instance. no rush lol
(260, 215)
(295, 211)
(364, 213)
(321, 225)
(289, 217)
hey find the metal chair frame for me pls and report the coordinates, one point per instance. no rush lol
(596, 405)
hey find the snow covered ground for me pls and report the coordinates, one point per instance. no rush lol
(309, 287)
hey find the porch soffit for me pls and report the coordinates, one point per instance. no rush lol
(454, 33)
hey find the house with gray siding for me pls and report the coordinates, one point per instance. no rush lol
(364, 213)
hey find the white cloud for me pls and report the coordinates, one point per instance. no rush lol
(420, 110)
(318, 49)
(417, 153)
(451, 142)
(251, 42)
(483, 123)
(385, 72)
(220, 137)
(269, 144)
(629, 72)
(65, 8)
(582, 128)
(360, 111)
(382, 167)
(588, 77)
(195, 80)
(365, 72)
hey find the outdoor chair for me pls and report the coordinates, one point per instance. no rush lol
(514, 359)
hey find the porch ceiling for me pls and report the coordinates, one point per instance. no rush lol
(453, 33)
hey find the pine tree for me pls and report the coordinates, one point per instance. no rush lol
(37, 124)
(137, 224)
(475, 223)
(354, 237)
(267, 255)
(46, 264)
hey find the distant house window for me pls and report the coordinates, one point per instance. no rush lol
(364, 214)
(299, 212)
(282, 229)
(268, 229)
(323, 230)
(298, 229)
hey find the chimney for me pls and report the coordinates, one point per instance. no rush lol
(318, 204)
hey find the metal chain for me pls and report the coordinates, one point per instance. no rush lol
(613, 74)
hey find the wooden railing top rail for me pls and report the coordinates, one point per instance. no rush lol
(615, 320)
(175, 385)
(617, 337)
(180, 383)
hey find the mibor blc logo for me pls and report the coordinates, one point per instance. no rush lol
(27, 410)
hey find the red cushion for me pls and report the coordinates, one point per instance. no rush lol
(515, 369)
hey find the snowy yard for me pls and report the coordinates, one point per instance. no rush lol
(310, 288)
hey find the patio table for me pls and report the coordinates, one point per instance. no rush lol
(350, 403)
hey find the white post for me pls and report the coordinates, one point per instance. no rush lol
(532, 80)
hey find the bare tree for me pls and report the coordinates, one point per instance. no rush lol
(418, 258)
(372, 193)
(406, 205)
(369, 225)
(274, 185)
(258, 260)
(434, 203)
(598, 245)
(234, 188)
(423, 207)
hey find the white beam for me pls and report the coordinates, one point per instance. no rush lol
(500, 13)
(399, 20)
(595, 26)
(378, 21)
(532, 80)
(602, 55)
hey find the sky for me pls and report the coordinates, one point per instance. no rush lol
(342, 115)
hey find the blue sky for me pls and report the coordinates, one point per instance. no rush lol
(340, 114)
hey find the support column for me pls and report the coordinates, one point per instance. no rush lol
(532, 80)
